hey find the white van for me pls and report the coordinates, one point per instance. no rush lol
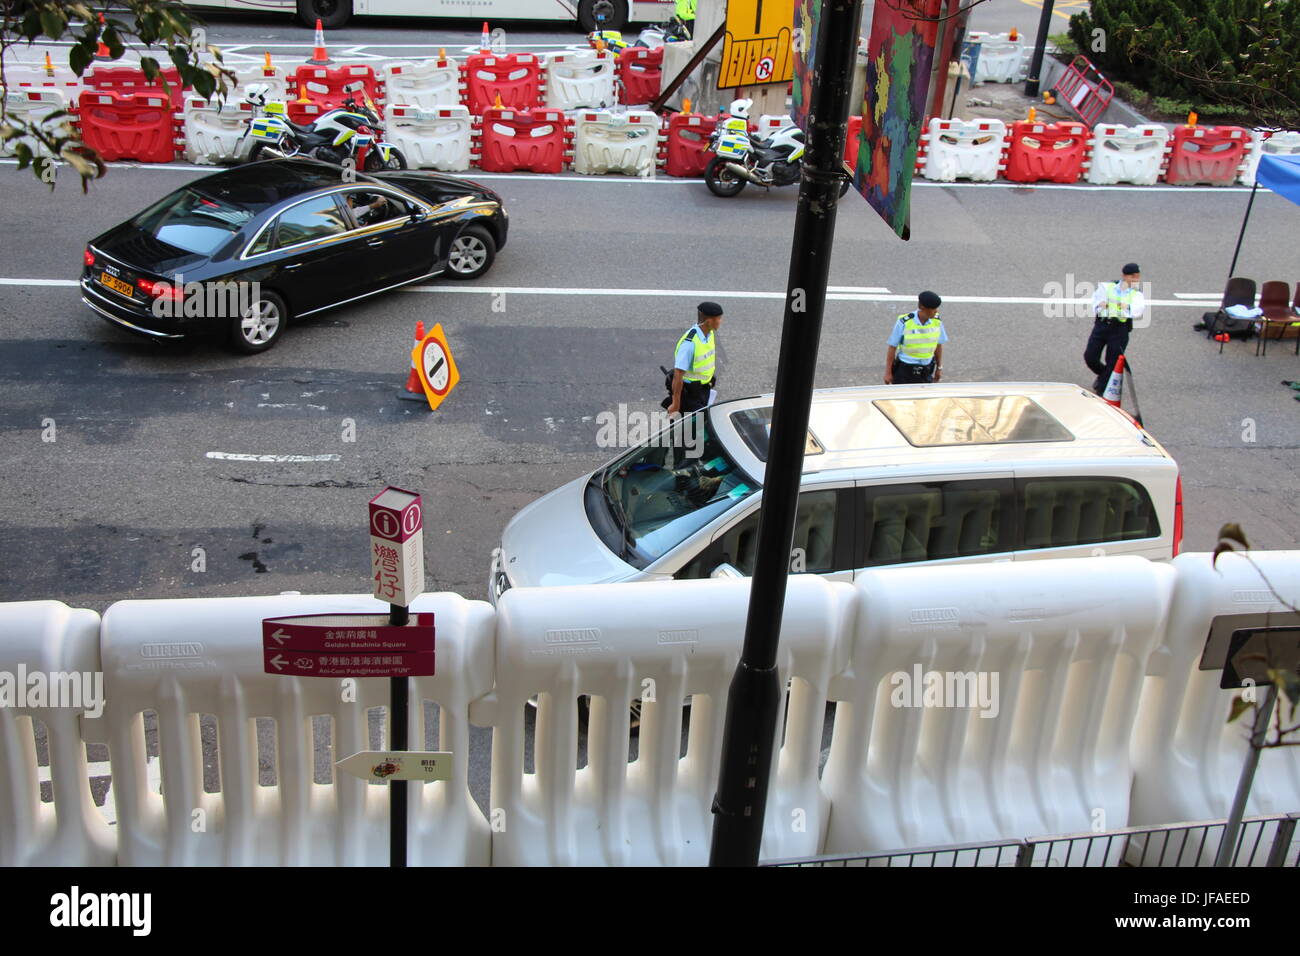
(891, 475)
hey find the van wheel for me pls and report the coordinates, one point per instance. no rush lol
(613, 11)
(331, 13)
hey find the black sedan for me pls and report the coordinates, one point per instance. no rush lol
(242, 252)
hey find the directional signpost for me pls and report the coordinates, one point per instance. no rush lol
(391, 645)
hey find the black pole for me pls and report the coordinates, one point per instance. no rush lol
(1242, 234)
(754, 700)
(398, 688)
(1040, 45)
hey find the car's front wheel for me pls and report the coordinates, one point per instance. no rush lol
(261, 324)
(471, 253)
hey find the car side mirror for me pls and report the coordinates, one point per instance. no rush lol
(725, 570)
(419, 215)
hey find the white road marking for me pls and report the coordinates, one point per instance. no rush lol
(837, 293)
(278, 459)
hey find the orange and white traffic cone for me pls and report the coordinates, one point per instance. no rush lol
(1115, 387)
(319, 56)
(49, 65)
(414, 391)
(485, 44)
(102, 51)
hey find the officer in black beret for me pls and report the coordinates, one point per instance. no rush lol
(693, 377)
(916, 344)
(1115, 305)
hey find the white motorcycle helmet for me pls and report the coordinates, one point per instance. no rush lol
(257, 93)
(740, 108)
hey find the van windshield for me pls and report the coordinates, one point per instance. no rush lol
(662, 492)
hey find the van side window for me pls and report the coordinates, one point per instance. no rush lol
(1059, 512)
(813, 549)
(933, 521)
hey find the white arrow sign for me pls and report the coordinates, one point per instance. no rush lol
(279, 636)
(395, 765)
(279, 662)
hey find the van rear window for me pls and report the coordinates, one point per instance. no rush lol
(971, 420)
(1061, 512)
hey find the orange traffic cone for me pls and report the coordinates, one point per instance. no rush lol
(414, 391)
(686, 106)
(485, 44)
(1014, 35)
(267, 68)
(101, 51)
(49, 65)
(1115, 387)
(319, 56)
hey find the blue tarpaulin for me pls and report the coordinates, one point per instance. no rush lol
(1280, 174)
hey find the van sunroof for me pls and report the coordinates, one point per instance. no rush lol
(754, 426)
(971, 420)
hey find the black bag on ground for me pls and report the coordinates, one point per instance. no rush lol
(1220, 321)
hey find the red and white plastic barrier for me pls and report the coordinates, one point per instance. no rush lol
(424, 84)
(1274, 142)
(329, 86)
(535, 141)
(965, 150)
(580, 80)
(136, 126)
(640, 74)
(1051, 152)
(513, 78)
(437, 138)
(686, 144)
(1206, 155)
(31, 106)
(213, 131)
(1127, 154)
(605, 142)
(1000, 59)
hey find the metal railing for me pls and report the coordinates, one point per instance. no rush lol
(1263, 841)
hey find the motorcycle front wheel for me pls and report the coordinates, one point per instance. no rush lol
(721, 181)
(375, 162)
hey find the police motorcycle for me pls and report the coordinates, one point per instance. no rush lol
(347, 133)
(652, 37)
(740, 157)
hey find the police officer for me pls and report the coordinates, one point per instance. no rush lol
(1115, 305)
(685, 11)
(693, 363)
(916, 344)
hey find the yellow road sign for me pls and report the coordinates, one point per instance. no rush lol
(756, 46)
(436, 367)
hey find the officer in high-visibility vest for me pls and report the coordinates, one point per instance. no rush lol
(685, 12)
(916, 344)
(1115, 305)
(694, 362)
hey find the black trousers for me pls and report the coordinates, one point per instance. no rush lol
(1113, 337)
(905, 373)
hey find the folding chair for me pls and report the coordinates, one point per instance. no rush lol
(1275, 300)
(1238, 291)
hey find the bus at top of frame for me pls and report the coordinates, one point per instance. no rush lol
(335, 13)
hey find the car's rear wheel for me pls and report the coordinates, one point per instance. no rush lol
(261, 324)
(330, 13)
(471, 253)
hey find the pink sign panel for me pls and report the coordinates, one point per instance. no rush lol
(348, 645)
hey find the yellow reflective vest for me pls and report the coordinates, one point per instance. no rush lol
(686, 9)
(702, 363)
(920, 339)
(1118, 299)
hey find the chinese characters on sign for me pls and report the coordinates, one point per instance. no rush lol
(397, 546)
(348, 645)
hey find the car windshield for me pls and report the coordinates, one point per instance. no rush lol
(193, 222)
(662, 492)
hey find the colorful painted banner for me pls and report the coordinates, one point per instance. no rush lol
(901, 53)
(807, 17)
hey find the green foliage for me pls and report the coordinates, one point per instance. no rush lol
(162, 25)
(1237, 54)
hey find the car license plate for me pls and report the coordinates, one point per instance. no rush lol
(117, 285)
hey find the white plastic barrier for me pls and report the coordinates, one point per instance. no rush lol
(423, 84)
(618, 642)
(276, 78)
(1281, 143)
(182, 659)
(964, 150)
(1127, 154)
(1026, 731)
(214, 131)
(32, 106)
(1000, 59)
(25, 75)
(608, 142)
(578, 80)
(769, 123)
(437, 138)
(49, 666)
(1186, 756)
